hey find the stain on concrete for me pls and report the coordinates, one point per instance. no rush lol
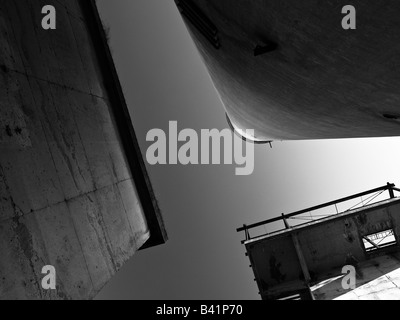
(4, 68)
(349, 237)
(275, 271)
(24, 239)
(347, 234)
(8, 131)
(362, 218)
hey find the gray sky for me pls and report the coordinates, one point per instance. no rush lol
(164, 79)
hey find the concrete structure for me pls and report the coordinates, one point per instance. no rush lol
(74, 192)
(306, 261)
(288, 70)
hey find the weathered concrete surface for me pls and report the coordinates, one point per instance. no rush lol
(68, 196)
(377, 279)
(326, 244)
(321, 82)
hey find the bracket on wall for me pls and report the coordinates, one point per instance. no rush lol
(267, 47)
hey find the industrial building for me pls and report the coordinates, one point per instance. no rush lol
(305, 260)
(289, 70)
(74, 191)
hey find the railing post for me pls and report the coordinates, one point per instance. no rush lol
(246, 232)
(391, 193)
(285, 221)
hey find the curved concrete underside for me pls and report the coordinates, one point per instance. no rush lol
(321, 82)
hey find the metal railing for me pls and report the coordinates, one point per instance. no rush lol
(374, 193)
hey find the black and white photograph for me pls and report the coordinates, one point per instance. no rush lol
(199, 154)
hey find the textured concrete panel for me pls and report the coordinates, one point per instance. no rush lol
(91, 232)
(64, 252)
(73, 192)
(92, 71)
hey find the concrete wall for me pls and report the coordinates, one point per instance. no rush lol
(327, 245)
(321, 82)
(68, 191)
